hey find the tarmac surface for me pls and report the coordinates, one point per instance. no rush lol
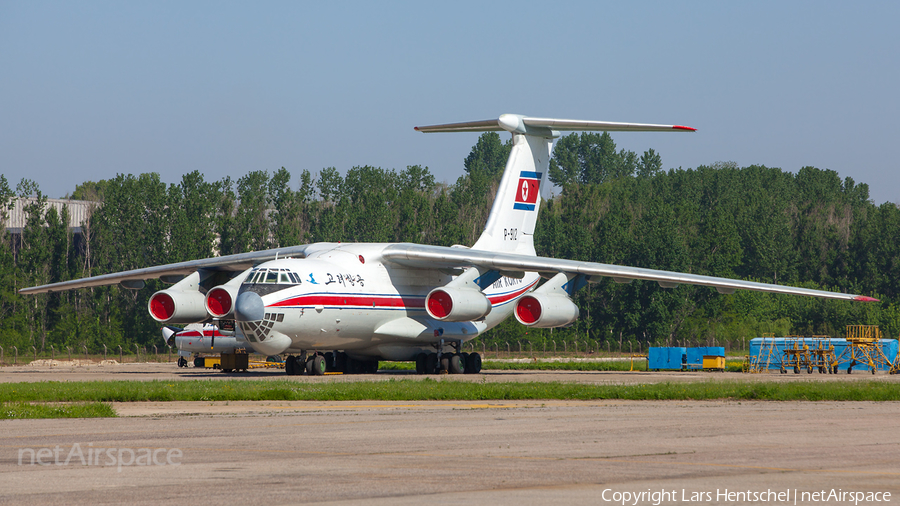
(497, 452)
(77, 370)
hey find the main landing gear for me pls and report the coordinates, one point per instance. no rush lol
(448, 363)
(318, 364)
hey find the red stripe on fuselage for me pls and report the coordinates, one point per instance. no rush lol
(379, 302)
(353, 300)
(506, 297)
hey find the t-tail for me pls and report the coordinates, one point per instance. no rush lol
(510, 225)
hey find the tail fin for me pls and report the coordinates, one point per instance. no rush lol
(511, 223)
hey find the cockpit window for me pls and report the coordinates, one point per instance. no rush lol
(274, 276)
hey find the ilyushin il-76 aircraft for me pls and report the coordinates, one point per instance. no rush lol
(345, 306)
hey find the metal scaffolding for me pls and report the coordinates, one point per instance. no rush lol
(761, 362)
(864, 347)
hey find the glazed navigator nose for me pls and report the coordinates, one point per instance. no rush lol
(249, 307)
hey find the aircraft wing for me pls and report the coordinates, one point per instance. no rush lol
(237, 262)
(522, 124)
(414, 255)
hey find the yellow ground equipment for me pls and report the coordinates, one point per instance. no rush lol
(762, 360)
(266, 364)
(634, 356)
(208, 362)
(822, 356)
(796, 355)
(864, 347)
(713, 363)
(238, 361)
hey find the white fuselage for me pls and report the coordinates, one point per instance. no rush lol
(344, 297)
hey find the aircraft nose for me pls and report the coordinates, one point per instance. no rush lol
(249, 307)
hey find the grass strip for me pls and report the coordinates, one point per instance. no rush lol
(563, 365)
(610, 365)
(20, 409)
(430, 389)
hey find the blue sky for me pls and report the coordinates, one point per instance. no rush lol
(91, 89)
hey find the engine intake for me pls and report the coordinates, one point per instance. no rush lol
(543, 310)
(176, 306)
(457, 304)
(220, 301)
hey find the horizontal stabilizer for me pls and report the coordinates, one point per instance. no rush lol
(542, 126)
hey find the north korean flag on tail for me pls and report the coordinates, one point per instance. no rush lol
(527, 190)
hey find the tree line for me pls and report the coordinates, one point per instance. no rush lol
(810, 229)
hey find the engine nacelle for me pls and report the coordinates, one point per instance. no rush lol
(544, 310)
(450, 304)
(220, 301)
(176, 306)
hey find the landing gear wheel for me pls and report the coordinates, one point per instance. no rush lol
(421, 358)
(315, 366)
(445, 363)
(456, 365)
(182, 362)
(290, 366)
(329, 361)
(431, 363)
(473, 363)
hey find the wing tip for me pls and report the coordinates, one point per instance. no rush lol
(863, 298)
(685, 128)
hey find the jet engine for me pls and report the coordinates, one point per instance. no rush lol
(450, 304)
(220, 300)
(177, 306)
(546, 310)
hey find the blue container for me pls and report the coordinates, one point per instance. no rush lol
(695, 355)
(888, 346)
(665, 358)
